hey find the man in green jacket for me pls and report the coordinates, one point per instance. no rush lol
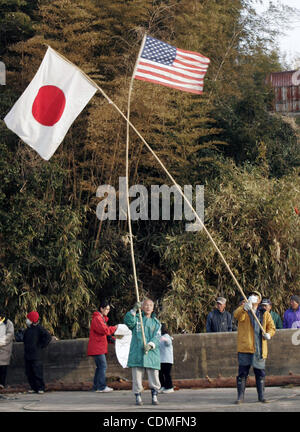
(144, 358)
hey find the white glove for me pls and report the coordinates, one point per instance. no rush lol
(248, 306)
(266, 336)
(148, 347)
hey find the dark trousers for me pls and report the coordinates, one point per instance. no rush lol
(244, 372)
(34, 373)
(165, 375)
(3, 372)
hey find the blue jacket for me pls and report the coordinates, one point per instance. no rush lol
(137, 357)
(291, 318)
(218, 321)
(166, 349)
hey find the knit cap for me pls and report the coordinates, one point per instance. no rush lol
(33, 316)
(296, 298)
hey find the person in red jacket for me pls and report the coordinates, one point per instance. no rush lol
(97, 346)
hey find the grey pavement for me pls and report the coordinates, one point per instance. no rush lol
(282, 399)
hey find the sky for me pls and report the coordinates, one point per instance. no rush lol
(290, 43)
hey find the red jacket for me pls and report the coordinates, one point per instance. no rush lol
(98, 334)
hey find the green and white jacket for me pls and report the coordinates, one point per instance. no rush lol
(137, 357)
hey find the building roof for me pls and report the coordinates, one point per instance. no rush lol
(281, 79)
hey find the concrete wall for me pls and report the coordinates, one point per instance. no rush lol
(195, 356)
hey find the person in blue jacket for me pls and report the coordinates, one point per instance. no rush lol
(219, 320)
(144, 358)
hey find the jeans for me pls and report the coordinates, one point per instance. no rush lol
(100, 378)
(244, 371)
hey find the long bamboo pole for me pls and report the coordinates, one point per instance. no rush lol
(174, 182)
(127, 198)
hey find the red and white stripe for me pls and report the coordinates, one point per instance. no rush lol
(186, 73)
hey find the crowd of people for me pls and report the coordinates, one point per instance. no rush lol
(220, 320)
(151, 350)
(151, 347)
(255, 322)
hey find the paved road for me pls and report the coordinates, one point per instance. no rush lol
(282, 399)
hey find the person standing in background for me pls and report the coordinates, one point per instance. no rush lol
(6, 345)
(219, 320)
(35, 338)
(267, 305)
(98, 345)
(291, 318)
(166, 361)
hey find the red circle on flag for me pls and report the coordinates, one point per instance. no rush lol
(49, 105)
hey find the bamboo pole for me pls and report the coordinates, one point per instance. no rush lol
(174, 182)
(127, 196)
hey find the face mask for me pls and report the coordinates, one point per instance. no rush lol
(28, 322)
(253, 299)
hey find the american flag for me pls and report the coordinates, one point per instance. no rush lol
(169, 66)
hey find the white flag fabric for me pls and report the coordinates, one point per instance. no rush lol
(43, 114)
(122, 346)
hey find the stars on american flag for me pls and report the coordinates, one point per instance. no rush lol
(158, 51)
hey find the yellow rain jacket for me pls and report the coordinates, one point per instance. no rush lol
(245, 342)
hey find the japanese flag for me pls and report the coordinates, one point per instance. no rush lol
(45, 111)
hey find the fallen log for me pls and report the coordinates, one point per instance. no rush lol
(199, 383)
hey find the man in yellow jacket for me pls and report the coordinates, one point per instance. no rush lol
(252, 344)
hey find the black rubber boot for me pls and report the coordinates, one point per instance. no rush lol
(260, 386)
(154, 397)
(241, 386)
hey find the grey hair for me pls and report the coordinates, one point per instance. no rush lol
(147, 299)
